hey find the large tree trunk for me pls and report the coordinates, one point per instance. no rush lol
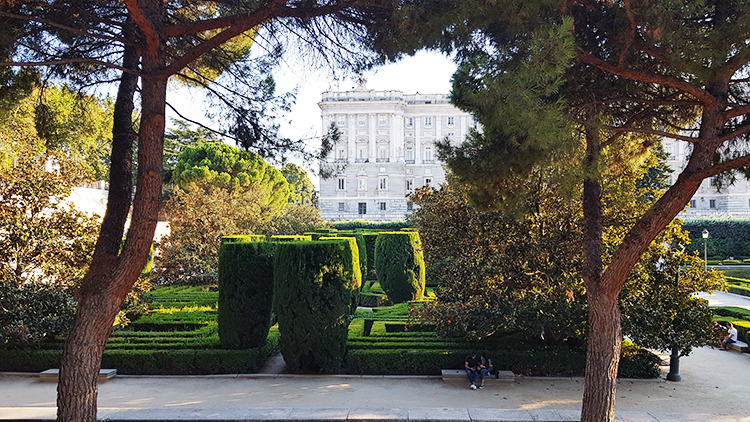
(603, 289)
(603, 353)
(111, 276)
(79, 368)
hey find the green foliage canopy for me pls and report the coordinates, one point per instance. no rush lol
(229, 168)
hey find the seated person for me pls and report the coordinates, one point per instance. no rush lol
(731, 337)
(485, 367)
(473, 369)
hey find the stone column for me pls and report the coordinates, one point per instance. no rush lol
(417, 142)
(351, 138)
(396, 139)
(373, 155)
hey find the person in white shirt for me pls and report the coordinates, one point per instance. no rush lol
(731, 337)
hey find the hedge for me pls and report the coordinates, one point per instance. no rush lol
(313, 284)
(370, 238)
(359, 245)
(150, 362)
(634, 362)
(727, 236)
(399, 265)
(245, 293)
(243, 238)
(371, 225)
(290, 238)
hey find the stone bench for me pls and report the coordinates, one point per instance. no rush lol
(52, 375)
(460, 375)
(739, 346)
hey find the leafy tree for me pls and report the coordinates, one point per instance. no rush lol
(302, 189)
(495, 272)
(296, 219)
(657, 302)
(44, 238)
(148, 41)
(535, 72)
(220, 191)
(178, 138)
(79, 126)
(198, 219)
(229, 168)
(47, 245)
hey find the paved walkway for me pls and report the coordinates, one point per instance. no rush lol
(714, 388)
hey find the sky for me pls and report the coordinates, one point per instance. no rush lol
(425, 72)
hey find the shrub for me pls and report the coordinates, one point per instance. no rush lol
(636, 363)
(359, 254)
(34, 312)
(290, 238)
(372, 225)
(728, 236)
(370, 238)
(243, 238)
(399, 265)
(245, 293)
(313, 284)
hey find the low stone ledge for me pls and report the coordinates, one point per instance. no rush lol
(53, 375)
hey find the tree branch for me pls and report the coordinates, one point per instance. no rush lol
(736, 111)
(631, 33)
(743, 130)
(242, 20)
(71, 61)
(275, 9)
(700, 94)
(151, 33)
(72, 30)
(720, 168)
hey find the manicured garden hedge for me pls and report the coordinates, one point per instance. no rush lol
(243, 238)
(290, 238)
(634, 363)
(399, 265)
(357, 243)
(370, 238)
(313, 283)
(371, 225)
(245, 293)
(727, 236)
(152, 362)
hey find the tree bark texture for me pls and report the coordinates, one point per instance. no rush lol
(603, 354)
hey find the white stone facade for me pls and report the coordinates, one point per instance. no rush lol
(731, 201)
(386, 150)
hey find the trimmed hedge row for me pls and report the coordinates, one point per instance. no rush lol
(356, 261)
(235, 238)
(245, 293)
(371, 225)
(370, 238)
(290, 238)
(727, 236)
(634, 363)
(361, 246)
(151, 362)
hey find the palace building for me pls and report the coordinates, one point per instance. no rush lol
(385, 151)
